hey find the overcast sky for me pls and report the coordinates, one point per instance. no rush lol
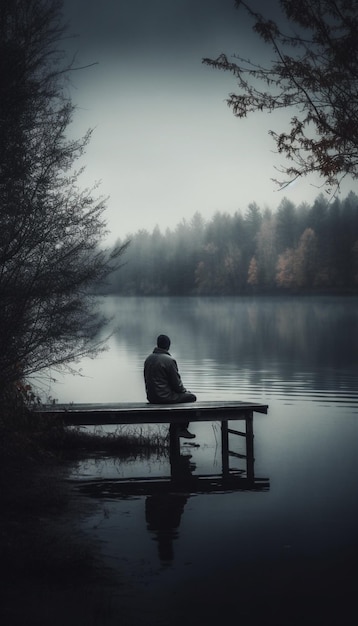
(165, 144)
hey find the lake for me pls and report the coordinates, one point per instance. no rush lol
(286, 554)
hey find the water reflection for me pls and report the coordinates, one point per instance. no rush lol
(166, 496)
(305, 330)
(163, 511)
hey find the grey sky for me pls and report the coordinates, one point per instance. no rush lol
(165, 143)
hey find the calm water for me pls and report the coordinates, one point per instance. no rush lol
(299, 357)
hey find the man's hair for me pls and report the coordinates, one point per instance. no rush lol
(163, 342)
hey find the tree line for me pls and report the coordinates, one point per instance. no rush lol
(293, 249)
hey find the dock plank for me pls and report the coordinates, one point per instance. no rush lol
(145, 413)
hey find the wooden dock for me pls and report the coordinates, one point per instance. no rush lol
(175, 415)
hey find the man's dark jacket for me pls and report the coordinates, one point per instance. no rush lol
(162, 379)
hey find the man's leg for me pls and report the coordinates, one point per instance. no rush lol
(186, 397)
(181, 429)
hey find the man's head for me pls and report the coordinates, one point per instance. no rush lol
(163, 342)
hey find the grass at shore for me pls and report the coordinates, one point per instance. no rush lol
(126, 441)
(26, 438)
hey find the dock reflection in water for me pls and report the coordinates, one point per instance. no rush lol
(163, 510)
(165, 496)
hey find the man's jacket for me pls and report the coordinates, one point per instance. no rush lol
(162, 379)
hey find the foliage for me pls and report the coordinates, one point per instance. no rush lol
(50, 229)
(293, 248)
(27, 439)
(313, 75)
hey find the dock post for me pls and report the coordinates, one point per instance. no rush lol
(250, 446)
(225, 447)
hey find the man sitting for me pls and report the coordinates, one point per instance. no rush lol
(163, 382)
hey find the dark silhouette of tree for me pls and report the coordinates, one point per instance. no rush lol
(50, 230)
(287, 225)
(314, 75)
(183, 252)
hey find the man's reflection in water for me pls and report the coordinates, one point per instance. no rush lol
(163, 511)
(163, 514)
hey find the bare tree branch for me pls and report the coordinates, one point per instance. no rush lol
(314, 75)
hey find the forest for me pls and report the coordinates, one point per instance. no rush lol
(294, 249)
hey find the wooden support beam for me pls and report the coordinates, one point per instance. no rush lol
(250, 446)
(225, 448)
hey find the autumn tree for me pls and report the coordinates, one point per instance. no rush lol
(313, 75)
(50, 229)
(252, 274)
(285, 269)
